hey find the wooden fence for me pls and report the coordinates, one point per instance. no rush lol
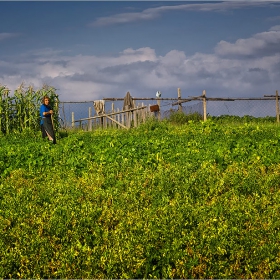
(117, 118)
(132, 117)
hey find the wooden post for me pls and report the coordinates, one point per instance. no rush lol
(105, 121)
(127, 117)
(179, 97)
(95, 124)
(204, 105)
(143, 113)
(89, 121)
(138, 115)
(73, 120)
(133, 115)
(123, 118)
(64, 117)
(101, 122)
(118, 117)
(277, 107)
(114, 117)
(136, 118)
(158, 113)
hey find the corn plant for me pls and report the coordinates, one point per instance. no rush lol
(22, 110)
(5, 102)
(2, 89)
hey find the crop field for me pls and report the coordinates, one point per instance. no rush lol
(199, 200)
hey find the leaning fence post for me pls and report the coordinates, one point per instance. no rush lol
(277, 106)
(73, 120)
(204, 105)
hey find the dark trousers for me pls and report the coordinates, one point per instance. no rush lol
(47, 127)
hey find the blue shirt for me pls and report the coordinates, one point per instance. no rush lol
(44, 108)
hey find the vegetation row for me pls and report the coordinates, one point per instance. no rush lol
(198, 200)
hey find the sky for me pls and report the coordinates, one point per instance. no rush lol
(89, 50)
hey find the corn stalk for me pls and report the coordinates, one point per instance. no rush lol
(2, 88)
(22, 110)
(5, 102)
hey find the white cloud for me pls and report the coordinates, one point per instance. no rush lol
(276, 18)
(5, 36)
(275, 28)
(265, 43)
(250, 66)
(152, 13)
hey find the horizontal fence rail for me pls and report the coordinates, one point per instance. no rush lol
(82, 114)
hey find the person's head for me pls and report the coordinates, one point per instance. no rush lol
(46, 100)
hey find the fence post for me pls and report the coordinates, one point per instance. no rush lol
(114, 116)
(127, 117)
(95, 122)
(143, 114)
(158, 113)
(277, 107)
(136, 113)
(118, 118)
(133, 117)
(204, 105)
(105, 120)
(89, 121)
(73, 120)
(124, 117)
(63, 113)
(179, 97)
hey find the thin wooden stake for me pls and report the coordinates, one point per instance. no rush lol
(114, 117)
(89, 121)
(118, 117)
(204, 105)
(179, 97)
(158, 113)
(73, 120)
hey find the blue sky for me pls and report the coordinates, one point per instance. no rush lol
(89, 50)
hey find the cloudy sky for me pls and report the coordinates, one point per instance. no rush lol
(94, 49)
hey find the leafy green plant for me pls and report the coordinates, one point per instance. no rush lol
(178, 117)
(157, 201)
(228, 119)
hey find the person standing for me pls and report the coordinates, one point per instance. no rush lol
(46, 114)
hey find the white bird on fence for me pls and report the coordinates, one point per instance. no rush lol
(158, 94)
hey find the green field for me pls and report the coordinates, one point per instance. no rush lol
(199, 200)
